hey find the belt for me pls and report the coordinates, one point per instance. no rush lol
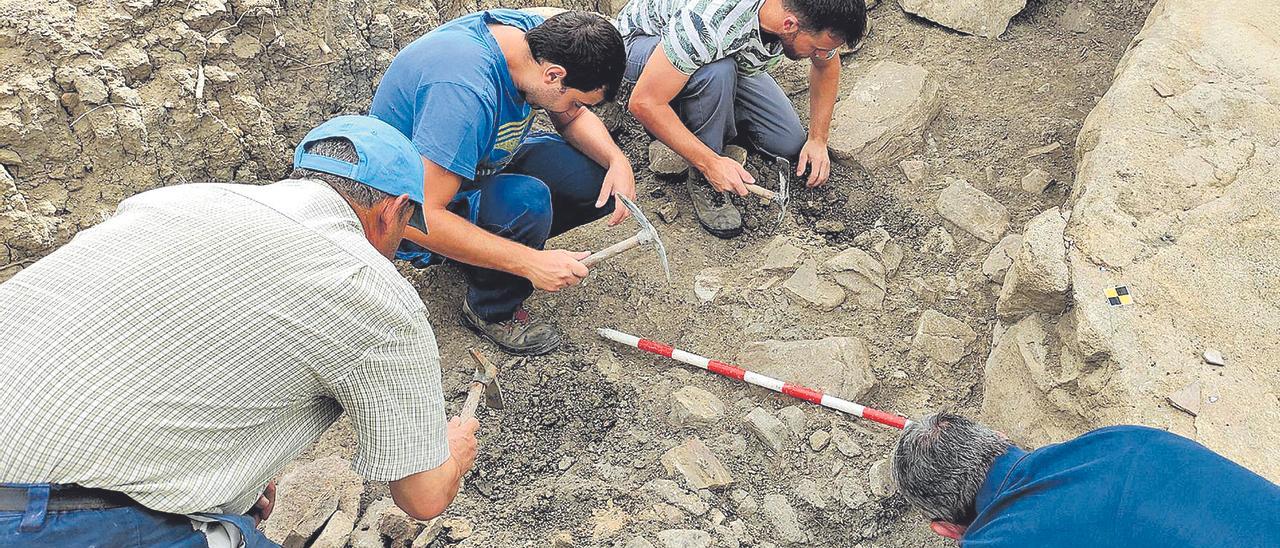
(63, 498)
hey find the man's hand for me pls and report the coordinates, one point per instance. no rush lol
(462, 443)
(815, 156)
(727, 175)
(555, 269)
(266, 503)
(618, 180)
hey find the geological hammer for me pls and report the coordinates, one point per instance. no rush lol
(781, 196)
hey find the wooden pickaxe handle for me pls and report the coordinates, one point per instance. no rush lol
(615, 249)
(761, 191)
(473, 401)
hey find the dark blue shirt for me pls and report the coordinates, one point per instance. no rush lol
(451, 93)
(1127, 486)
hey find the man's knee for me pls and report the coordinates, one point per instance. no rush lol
(517, 207)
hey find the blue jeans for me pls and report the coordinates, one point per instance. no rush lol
(113, 527)
(717, 102)
(548, 188)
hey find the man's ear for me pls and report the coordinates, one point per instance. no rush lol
(948, 529)
(395, 214)
(790, 24)
(554, 74)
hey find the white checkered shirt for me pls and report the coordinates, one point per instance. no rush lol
(183, 351)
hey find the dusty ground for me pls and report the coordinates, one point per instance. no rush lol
(586, 426)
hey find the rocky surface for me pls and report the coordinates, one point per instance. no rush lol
(973, 211)
(987, 18)
(883, 118)
(839, 365)
(1174, 198)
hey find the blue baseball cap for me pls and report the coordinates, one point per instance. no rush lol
(388, 160)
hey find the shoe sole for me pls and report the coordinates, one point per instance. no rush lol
(721, 233)
(537, 351)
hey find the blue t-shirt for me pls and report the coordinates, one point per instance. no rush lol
(1127, 486)
(450, 92)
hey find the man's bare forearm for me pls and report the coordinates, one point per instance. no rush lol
(458, 239)
(824, 85)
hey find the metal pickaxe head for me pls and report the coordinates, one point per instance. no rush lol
(784, 186)
(486, 374)
(648, 234)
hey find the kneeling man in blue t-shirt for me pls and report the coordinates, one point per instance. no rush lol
(493, 194)
(1122, 486)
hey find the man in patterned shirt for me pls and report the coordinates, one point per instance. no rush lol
(707, 81)
(162, 367)
(465, 94)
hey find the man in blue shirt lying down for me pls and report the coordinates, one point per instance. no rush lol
(1129, 486)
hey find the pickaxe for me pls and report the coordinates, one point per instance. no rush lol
(484, 381)
(647, 235)
(783, 195)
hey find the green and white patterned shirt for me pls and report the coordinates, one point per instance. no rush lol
(697, 32)
(185, 350)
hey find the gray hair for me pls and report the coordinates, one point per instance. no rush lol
(940, 463)
(342, 149)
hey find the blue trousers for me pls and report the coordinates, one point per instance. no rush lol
(716, 103)
(548, 188)
(131, 526)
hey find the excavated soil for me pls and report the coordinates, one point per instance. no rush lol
(585, 427)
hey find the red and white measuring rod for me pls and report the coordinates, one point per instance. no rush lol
(735, 372)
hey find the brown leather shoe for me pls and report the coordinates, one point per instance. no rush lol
(521, 335)
(714, 210)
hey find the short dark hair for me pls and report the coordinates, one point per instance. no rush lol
(847, 19)
(341, 149)
(940, 463)
(588, 47)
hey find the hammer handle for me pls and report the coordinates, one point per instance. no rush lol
(612, 250)
(473, 401)
(761, 192)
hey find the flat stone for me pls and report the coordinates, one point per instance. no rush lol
(693, 406)
(457, 529)
(565, 463)
(852, 494)
(986, 18)
(781, 254)
(1162, 88)
(819, 440)
(708, 283)
(697, 464)
(767, 428)
(308, 495)
(684, 538)
(429, 533)
(914, 170)
(882, 119)
(1036, 180)
(786, 526)
(1042, 150)
(808, 491)
(836, 365)
(882, 484)
(806, 285)
(794, 418)
(1001, 257)
(664, 161)
(1186, 399)
(827, 226)
(846, 445)
(973, 211)
(860, 274)
(673, 494)
(743, 503)
(1213, 357)
(942, 338)
(1039, 279)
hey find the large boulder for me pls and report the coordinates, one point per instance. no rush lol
(883, 118)
(309, 495)
(986, 18)
(839, 365)
(1175, 197)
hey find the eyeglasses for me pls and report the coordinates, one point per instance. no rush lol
(829, 55)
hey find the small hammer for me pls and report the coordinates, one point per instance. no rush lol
(484, 381)
(783, 194)
(647, 235)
